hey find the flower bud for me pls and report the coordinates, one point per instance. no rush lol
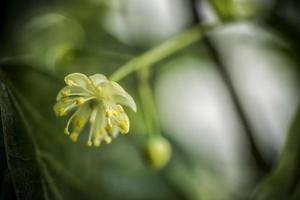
(158, 152)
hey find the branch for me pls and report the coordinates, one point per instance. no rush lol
(160, 52)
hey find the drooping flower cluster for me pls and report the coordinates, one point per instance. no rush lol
(97, 101)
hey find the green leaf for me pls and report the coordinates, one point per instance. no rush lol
(20, 150)
(281, 181)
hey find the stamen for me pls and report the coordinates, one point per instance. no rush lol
(66, 131)
(108, 126)
(120, 108)
(124, 126)
(111, 113)
(80, 101)
(65, 93)
(74, 136)
(107, 139)
(99, 89)
(97, 142)
(65, 100)
(89, 143)
(92, 121)
(97, 138)
(93, 116)
(108, 114)
(109, 121)
(78, 123)
(60, 112)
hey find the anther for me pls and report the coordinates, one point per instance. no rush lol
(65, 93)
(79, 100)
(120, 108)
(97, 142)
(107, 139)
(89, 143)
(78, 123)
(66, 131)
(99, 89)
(74, 136)
(61, 112)
(124, 127)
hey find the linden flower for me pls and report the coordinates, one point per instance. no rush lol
(97, 101)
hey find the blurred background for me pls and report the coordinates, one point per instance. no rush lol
(228, 104)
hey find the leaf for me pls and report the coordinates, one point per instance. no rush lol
(19, 149)
(280, 183)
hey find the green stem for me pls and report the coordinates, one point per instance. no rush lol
(148, 104)
(160, 52)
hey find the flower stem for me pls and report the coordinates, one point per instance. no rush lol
(160, 52)
(148, 103)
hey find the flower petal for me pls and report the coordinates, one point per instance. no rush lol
(99, 118)
(78, 119)
(69, 91)
(123, 123)
(119, 95)
(65, 105)
(97, 79)
(78, 79)
(125, 100)
(97, 121)
(62, 107)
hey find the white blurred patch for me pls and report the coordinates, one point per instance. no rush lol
(146, 22)
(196, 110)
(265, 80)
(207, 12)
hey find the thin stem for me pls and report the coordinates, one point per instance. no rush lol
(148, 103)
(160, 52)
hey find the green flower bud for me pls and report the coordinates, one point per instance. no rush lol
(158, 152)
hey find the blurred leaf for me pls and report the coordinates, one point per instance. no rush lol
(19, 149)
(280, 183)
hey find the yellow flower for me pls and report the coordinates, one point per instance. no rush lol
(97, 101)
